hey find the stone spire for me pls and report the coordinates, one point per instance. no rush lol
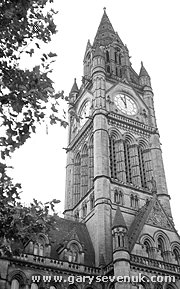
(105, 33)
(143, 71)
(119, 220)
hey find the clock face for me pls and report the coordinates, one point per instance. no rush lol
(85, 112)
(125, 104)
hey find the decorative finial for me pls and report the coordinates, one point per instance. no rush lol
(104, 9)
(141, 63)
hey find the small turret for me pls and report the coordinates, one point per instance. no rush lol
(121, 256)
(74, 92)
(144, 78)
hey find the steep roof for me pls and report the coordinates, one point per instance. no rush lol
(105, 33)
(151, 213)
(65, 229)
(118, 219)
(143, 71)
(74, 88)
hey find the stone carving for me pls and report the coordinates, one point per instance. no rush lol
(158, 218)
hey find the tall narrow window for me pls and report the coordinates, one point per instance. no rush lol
(113, 158)
(91, 201)
(116, 71)
(115, 57)
(176, 255)
(142, 167)
(77, 168)
(108, 69)
(127, 163)
(107, 55)
(36, 249)
(91, 164)
(84, 171)
(41, 250)
(161, 246)
(147, 247)
(15, 284)
(119, 59)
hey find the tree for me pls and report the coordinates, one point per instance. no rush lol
(25, 96)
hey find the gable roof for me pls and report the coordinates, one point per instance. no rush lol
(151, 213)
(65, 231)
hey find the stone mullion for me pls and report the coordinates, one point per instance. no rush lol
(148, 165)
(121, 170)
(134, 161)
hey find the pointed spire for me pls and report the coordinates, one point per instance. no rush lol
(74, 88)
(143, 71)
(118, 220)
(88, 47)
(105, 33)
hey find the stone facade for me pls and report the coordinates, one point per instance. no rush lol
(118, 219)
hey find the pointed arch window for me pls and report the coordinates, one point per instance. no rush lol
(36, 249)
(41, 250)
(74, 253)
(15, 284)
(176, 255)
(119, 59)
(127, 162)
(77, 178)
(115, 57)
(107, 55)
(91, 201)
(91, 163)
(112, 158)
(142, 167)
(147, 247)
(161, 246)
(118, 197)
(84, 209)
(84, 171)
(108, 69)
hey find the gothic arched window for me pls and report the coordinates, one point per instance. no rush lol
(127, 162)
(91, 164)
(118, 197)
(112, 158)
(15, 284)
(176, 255)
(147, 247)
(84, 209)
(142, 167)
(84, 171)
(119, 59)
(91, 201)
(77, 177)
(161, 247)
(107, 55)
(74, 253)
(108, 69)
(115, 57)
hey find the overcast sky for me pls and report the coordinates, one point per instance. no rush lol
(151, 31)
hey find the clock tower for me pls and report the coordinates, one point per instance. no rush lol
(115, 181)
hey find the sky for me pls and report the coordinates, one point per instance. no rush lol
(151, 31)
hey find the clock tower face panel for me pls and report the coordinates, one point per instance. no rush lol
(125, 104)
